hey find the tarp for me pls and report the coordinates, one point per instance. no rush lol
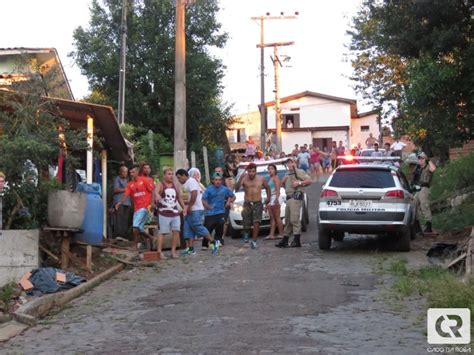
(44, 281)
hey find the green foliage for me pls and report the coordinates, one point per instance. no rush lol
(6, 293)
(147, 145)
(150, 65)
(415, 60)
(457, 218)
(452, 177)
(442, 288)
(29, 144)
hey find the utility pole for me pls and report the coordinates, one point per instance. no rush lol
(180, 88)
(263, 109)
(276, 66)
(123, 59)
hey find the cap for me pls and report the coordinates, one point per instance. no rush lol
(214, 175)
(422, 155)
(412, 159)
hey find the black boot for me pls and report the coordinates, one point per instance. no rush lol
(283, 243)
(428, 228)
(296, 242)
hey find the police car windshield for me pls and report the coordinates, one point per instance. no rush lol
(362, 178)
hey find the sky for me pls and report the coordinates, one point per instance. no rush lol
(317, 59)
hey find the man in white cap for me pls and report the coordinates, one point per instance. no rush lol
(422, 197)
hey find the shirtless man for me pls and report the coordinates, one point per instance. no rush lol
(253, 206)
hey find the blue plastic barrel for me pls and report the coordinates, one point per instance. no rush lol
(92, 226)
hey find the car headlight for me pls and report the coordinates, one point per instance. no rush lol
(237, 208)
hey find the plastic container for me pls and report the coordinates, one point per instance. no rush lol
(93, 223)
(66, 209)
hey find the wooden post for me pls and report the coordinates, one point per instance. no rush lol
(103, 156)
(180, 88)
(206, 165)
(65, 244)
(193, 159)
(90, 143)
(89, 258)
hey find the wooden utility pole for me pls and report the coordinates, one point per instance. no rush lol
(263, 109)
(123, 60)
(180, 88)
(276, 65)
(278, 123)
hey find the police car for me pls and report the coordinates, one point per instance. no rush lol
(371, 197)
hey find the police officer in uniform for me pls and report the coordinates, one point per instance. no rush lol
(294, 182)
(422, 197)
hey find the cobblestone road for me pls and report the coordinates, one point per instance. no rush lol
(242, 301)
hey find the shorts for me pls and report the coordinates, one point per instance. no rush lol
(326, 163)
(304, 167)
(226, 214)
(169, 224)
(251, 213)
(139, 218)
(193, 225)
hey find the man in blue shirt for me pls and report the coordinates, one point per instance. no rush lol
(215, 199)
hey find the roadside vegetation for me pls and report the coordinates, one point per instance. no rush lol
(441, 288)
(455, 178)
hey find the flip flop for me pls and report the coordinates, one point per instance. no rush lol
(269, 238)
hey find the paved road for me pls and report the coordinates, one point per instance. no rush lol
(241, 301)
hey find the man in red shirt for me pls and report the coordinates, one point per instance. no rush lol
(140, 189)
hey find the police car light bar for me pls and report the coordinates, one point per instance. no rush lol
(349, 158)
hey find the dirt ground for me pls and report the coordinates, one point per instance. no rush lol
(266, 300)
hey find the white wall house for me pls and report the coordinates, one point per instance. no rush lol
(362, 125)
(318, 119)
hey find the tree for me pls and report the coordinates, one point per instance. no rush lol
(414, 59)
(150, 65)
(31, 136)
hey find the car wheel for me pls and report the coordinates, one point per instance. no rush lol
(234, 234)
(401, 240)
(412, 232)
(338, 236)
(324, 239)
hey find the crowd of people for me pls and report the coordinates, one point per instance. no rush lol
(315, 160)
(179, 204)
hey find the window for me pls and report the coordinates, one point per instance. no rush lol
(364, 128)
(291, 121)
(363, 178)
(241, 135)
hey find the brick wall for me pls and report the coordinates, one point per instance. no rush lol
(467, 148)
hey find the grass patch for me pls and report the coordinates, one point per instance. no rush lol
(440, 287)
(6, 294)
(456, 218)
(453, 176)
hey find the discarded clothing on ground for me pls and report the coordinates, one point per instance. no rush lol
(44, 281)
(441, 251)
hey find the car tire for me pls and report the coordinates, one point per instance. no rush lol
(234, 234)
(324, 239)
(412, 232)
(401, 241)
(338, 236)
